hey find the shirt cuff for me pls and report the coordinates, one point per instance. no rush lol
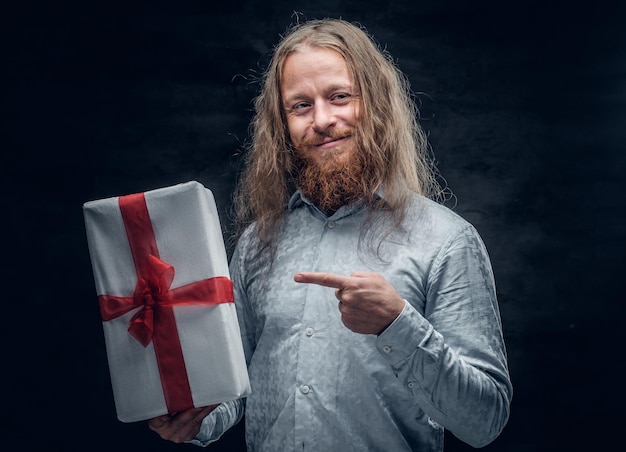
(405, 334)
(205, 435)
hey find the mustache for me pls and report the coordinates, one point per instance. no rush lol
(334, 134)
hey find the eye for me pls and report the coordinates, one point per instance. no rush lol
(299, 108)
(341, 98)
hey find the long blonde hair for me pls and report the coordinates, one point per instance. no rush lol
(388, 133)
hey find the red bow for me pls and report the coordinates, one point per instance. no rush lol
(153, 292)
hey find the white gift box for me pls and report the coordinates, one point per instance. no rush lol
(194, 356)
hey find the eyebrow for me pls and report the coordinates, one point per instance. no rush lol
(291, 99)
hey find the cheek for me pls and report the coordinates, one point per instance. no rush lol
(296, 131)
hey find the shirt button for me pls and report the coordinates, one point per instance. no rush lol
(309, 331)
(387, 349)
(304, 389)
(410, 385)
(331, 224)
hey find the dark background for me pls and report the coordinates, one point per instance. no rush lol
(525, 106)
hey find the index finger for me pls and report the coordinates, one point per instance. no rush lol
(321, 279)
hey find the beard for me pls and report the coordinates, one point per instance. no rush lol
(332, 182)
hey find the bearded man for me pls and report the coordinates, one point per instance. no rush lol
(368, 310)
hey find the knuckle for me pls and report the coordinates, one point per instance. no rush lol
(158, 428)
(347, 298)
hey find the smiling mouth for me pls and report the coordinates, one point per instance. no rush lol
(330, 143)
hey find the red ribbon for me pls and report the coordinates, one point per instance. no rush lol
(155, 320)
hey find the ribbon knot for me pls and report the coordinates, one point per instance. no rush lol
(151, 291)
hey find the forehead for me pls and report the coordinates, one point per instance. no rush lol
(314, 67)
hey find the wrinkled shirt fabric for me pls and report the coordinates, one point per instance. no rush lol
(317, 386)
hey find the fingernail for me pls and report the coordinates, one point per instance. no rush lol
(298, 277)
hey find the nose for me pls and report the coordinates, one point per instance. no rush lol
(323, 117)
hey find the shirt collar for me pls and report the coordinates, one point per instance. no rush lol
(298, 199)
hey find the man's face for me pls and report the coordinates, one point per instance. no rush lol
(321, 105)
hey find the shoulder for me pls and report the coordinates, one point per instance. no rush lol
(249, 251)
(434, 219)
(242, 247)
(446, 237)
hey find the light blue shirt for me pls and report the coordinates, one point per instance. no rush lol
(317, 386)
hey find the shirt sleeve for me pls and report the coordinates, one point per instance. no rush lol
(244, 316)
(453, 358)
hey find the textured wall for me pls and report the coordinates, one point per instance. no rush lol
(525, 106)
